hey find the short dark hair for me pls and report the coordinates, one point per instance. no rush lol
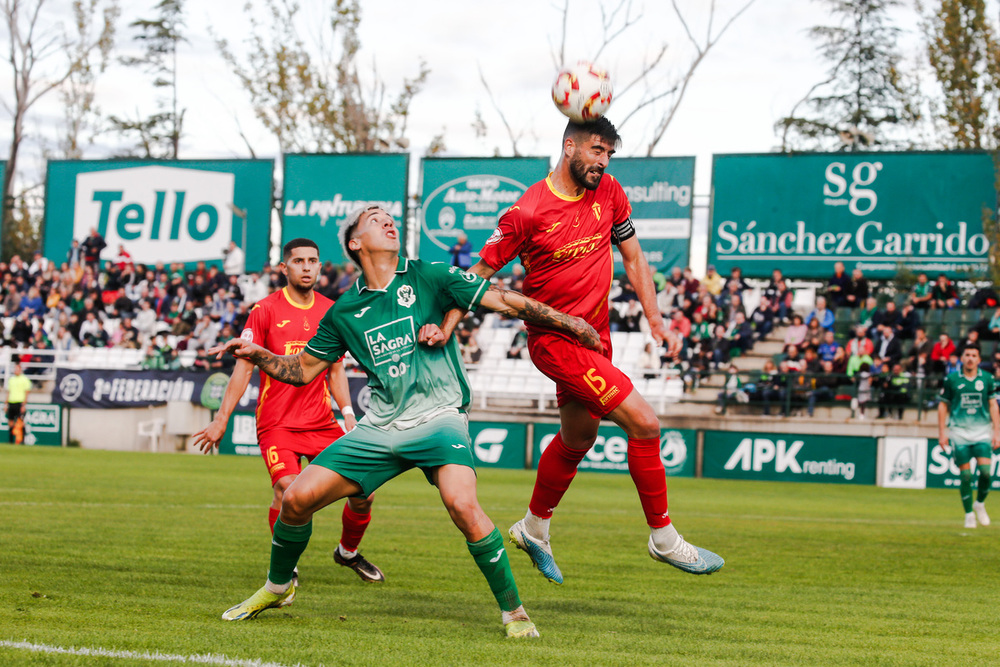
(972, 346)
(602, 127)
(286, 252)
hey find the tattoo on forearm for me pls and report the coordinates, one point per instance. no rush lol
(283, 368)
(533, 311)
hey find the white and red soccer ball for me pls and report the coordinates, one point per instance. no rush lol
(582, 92)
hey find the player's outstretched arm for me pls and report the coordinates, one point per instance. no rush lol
(516, 304)
(209, 437)
(294, 369)
(455, 315)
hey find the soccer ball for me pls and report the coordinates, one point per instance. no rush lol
(582, 92)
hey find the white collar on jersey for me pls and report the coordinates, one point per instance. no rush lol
(401, 267)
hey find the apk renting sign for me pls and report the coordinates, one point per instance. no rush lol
(873, 211)
(789, 457)
(321, 190)
(469, 195)
(161, 211)
(610, 450)
(659, 190)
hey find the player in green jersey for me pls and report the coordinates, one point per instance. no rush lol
(968, 414)
(419, 395)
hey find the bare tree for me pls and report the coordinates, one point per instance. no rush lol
(37, 69)
(658, 92)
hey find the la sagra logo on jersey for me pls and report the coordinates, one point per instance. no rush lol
(392, 341)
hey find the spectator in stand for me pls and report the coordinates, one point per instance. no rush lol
(676, 278)
(468, 346)
(827, 350)
(719, 345)
(954, 364)
(839, 286)
(21, 331)
(792, 361)
(992, 366)
(33, 303)
(123, 259)
(39, 265)
(699, 327)
(732, 303)
(767, 388)
(762, 318)
(821, 313)
(713, 282)
(824, 386)
(943, 295)
(461, 252)
(795, 334)
(941, 351)
(866, 317)
(814, 335)
(985, 297)
(971, 339)
(888, 316)
(888, 350)
(631, 315)
(74, 256)
(205, 334)
(145, 322)
(921, 346)
(63, 341)
(234, 261)
(519, 344)
(347, 278)
(650, 362)
(92, 247)
(864, 389)
(992, 328)
(740, 334)
(708, 309)
(908, 322)
(839, 361)
(92, 334)
(922, 293)
(666, 298)
(125, 335)
(736, 277)
(732, 390)
(680, 324)
(857, 293)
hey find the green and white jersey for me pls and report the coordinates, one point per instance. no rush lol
(409, 382)
(969, 407)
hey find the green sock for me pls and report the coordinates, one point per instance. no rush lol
(287, 544)
(985, 479)
(965, 487)
(491, 557)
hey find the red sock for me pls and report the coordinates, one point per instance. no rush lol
(650, 479)
(556, 469)
(354, 528)
(272, 516)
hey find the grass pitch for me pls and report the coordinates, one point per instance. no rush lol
(140, 553)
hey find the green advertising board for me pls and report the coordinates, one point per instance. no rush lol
(610, 451)
(469, 195)
(43, 425)
(789, 457)
(498, 444)
(321, 190)
(241, 435)
(660, 191)
(161, 210)
(942, 472)
(879, 212)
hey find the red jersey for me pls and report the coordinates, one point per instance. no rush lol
(565, 246)
(284, 327)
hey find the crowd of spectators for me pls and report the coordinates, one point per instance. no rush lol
(82, 301)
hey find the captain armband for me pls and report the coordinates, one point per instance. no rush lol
(622, 231)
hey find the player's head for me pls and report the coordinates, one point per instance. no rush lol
(587, 147)
(300, 263)
(369, 227)
(971, 356)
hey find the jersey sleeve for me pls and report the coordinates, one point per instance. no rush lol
(946, 391)
(507, 239)
(257, 326)
(327, 344)
(457, 288)
(622, 206)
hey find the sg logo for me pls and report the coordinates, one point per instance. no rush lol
(861, 200)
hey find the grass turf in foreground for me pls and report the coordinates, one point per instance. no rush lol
(143, 552)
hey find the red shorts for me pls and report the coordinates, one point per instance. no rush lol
(580, 374)
(282, 449)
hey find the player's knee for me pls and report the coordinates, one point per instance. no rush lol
(645, 425)
(295, 505)
(965, 475)
(464, 510)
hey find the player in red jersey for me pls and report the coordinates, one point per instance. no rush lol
(563, 228)
(295, 421)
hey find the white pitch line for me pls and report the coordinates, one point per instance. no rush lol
(156, 656)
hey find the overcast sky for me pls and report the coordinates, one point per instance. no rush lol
(754, 75)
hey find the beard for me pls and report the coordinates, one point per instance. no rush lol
(585, 177)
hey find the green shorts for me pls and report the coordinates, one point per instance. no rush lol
(372, 456)
(965, 453)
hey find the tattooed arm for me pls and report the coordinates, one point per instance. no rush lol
(294, 369)
(516, 304)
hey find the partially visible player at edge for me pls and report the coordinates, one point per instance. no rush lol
(295, 421)
(419, 397)
(968, 415)
(563, 228)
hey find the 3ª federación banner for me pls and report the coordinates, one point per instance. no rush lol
(789, 457)
(468, 195)
(610, 450)
(880, 212)
(659, 189)
(161, 211)
(321, 190)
